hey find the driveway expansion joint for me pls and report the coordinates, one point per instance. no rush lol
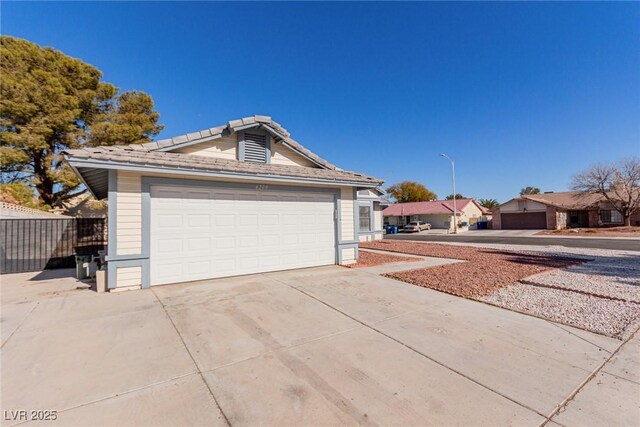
(415, 350)
(563, 327)
(586, 381)
(112, 396)
(199, 372)
(20, 325)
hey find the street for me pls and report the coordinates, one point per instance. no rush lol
(569, 242)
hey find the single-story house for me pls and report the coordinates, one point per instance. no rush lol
(556, 211)
(371, 203)
(236, 199)
(438, 213)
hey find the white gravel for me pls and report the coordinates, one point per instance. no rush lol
(600, 315)
(614, 277)
(607, 273)
(607, 276)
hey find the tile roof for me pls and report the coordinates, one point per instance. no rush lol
(567, 199)
(426, 208)
(140, 155)
(232, 126)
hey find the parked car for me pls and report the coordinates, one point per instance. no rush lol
(417, 226)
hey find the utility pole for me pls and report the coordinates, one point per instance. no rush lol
(453, 179)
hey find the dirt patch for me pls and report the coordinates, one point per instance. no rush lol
(486, 271)
(371, 259)
(631, 231)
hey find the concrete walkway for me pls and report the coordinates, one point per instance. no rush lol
(320, 346)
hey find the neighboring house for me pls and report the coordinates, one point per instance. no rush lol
(86, 206)
(236, 199)
(438, 213)
(371, 203)
(556, 211)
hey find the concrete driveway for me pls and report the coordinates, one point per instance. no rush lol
(305, 347)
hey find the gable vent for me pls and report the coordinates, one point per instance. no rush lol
(255, 148)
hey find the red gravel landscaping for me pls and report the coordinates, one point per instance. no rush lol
(370, 259)
(486, 271)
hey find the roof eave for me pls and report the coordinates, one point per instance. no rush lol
(109, 164)
(79, 175)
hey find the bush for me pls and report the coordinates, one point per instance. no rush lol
(21, 194)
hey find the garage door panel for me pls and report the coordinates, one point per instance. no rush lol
(223, 220)
(170, 220)
(167, 247)
(196, 245)
(270, 219)
(198, 220)
(170, 271)
(195, 198)
(523, 221)
(290, 220)
(249, 243)
(198, 269)
(206, 233)
(248, 219)
(165, 196)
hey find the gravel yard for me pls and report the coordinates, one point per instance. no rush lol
(486, 271)
(600, 315)
(593, 289)
(611, 277)
(370, 259)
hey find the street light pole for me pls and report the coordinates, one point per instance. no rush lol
(453, 179)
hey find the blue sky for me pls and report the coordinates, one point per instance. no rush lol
(517, 93)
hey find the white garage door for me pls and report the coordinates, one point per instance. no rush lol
(200, 232)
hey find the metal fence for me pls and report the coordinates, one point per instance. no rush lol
(42, 244)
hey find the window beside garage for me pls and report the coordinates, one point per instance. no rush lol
(610, 217)
(365, 218)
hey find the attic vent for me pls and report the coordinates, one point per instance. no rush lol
(255, 148)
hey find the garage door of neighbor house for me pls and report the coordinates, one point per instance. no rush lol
(524, 221)
(201, 232)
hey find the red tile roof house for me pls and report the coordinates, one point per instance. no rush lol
(556, 211)
(438, 213)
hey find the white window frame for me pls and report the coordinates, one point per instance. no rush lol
(369, 226)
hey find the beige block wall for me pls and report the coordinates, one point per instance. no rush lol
(129, 213)
(222, 148)
(281, 155)
(347, 223)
